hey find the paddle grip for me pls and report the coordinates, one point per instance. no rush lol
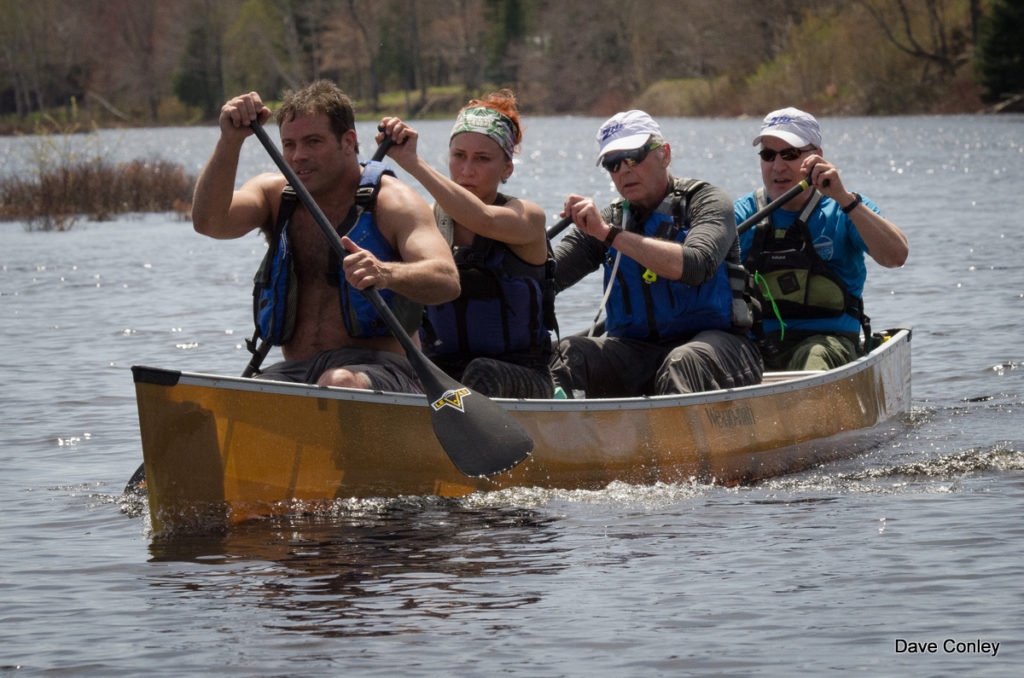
(382, 150)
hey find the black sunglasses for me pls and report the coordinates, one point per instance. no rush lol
(632, 157)
(788, 154)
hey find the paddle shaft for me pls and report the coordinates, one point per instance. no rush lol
(563, 223)
(760, 214)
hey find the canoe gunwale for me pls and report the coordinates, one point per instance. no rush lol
(778, 382)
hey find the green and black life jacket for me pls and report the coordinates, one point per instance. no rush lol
(792, 279)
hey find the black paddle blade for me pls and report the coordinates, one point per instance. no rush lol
(479, 436)
(137, 483)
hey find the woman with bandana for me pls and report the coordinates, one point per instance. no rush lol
(495, 338)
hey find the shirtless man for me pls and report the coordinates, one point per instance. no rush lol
(394, 246)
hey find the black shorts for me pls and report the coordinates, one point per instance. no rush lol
(523, 374)
(386, 371)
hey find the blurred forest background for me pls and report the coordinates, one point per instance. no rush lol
(144, 62)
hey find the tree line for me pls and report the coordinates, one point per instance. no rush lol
(174, 61)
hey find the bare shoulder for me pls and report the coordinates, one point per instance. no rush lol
(531, 214)
(267, 184)
(400, 208)
(260, 197)
(530, 210)
(407, 221)
(252, 206)
(528, 239)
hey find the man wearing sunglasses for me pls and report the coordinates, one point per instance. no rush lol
(677, 317)
(808, 256)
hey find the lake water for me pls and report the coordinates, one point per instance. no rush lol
(853, 568)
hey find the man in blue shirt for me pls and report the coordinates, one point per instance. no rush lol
(808, 256)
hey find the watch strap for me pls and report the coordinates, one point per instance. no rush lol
(612, 232)
(856, 201)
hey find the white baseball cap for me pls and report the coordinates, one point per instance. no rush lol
(625, 131)
(792, 126)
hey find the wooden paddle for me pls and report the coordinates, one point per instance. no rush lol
(479, 436)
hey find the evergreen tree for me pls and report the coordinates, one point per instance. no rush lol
(507, 20)
(199, 81)
(1000, 59)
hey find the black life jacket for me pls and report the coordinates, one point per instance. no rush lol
(506, 305)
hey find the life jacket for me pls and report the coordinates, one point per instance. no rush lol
(792, 279)
(275, 290)
(655, 308)
(506, 304)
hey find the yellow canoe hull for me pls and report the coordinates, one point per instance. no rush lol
(218, 450)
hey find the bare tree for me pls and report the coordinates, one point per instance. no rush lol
(365, 17)
(150, 33)
(903, 23)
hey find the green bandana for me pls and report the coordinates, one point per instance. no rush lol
(490, 123)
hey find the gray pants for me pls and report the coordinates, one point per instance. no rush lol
(514, 375)
(610, 367)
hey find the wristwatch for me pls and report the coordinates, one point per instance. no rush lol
(612, 232)
(856, 201)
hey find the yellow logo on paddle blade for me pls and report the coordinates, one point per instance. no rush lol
(451, 399)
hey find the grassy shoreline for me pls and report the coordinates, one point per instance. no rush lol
(666, 98)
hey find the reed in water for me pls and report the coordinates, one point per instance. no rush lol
(64, 184)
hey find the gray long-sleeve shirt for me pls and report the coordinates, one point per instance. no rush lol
(711, 240)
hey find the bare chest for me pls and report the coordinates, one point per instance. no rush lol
(314, 259)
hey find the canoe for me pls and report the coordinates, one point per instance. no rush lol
(218, 450)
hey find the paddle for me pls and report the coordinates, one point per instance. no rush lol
(805, 183)
(774, 205)
(479, 436)
(562, 224)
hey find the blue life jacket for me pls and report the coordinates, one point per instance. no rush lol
(665, 309)
(275, 290)
(506, 305)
